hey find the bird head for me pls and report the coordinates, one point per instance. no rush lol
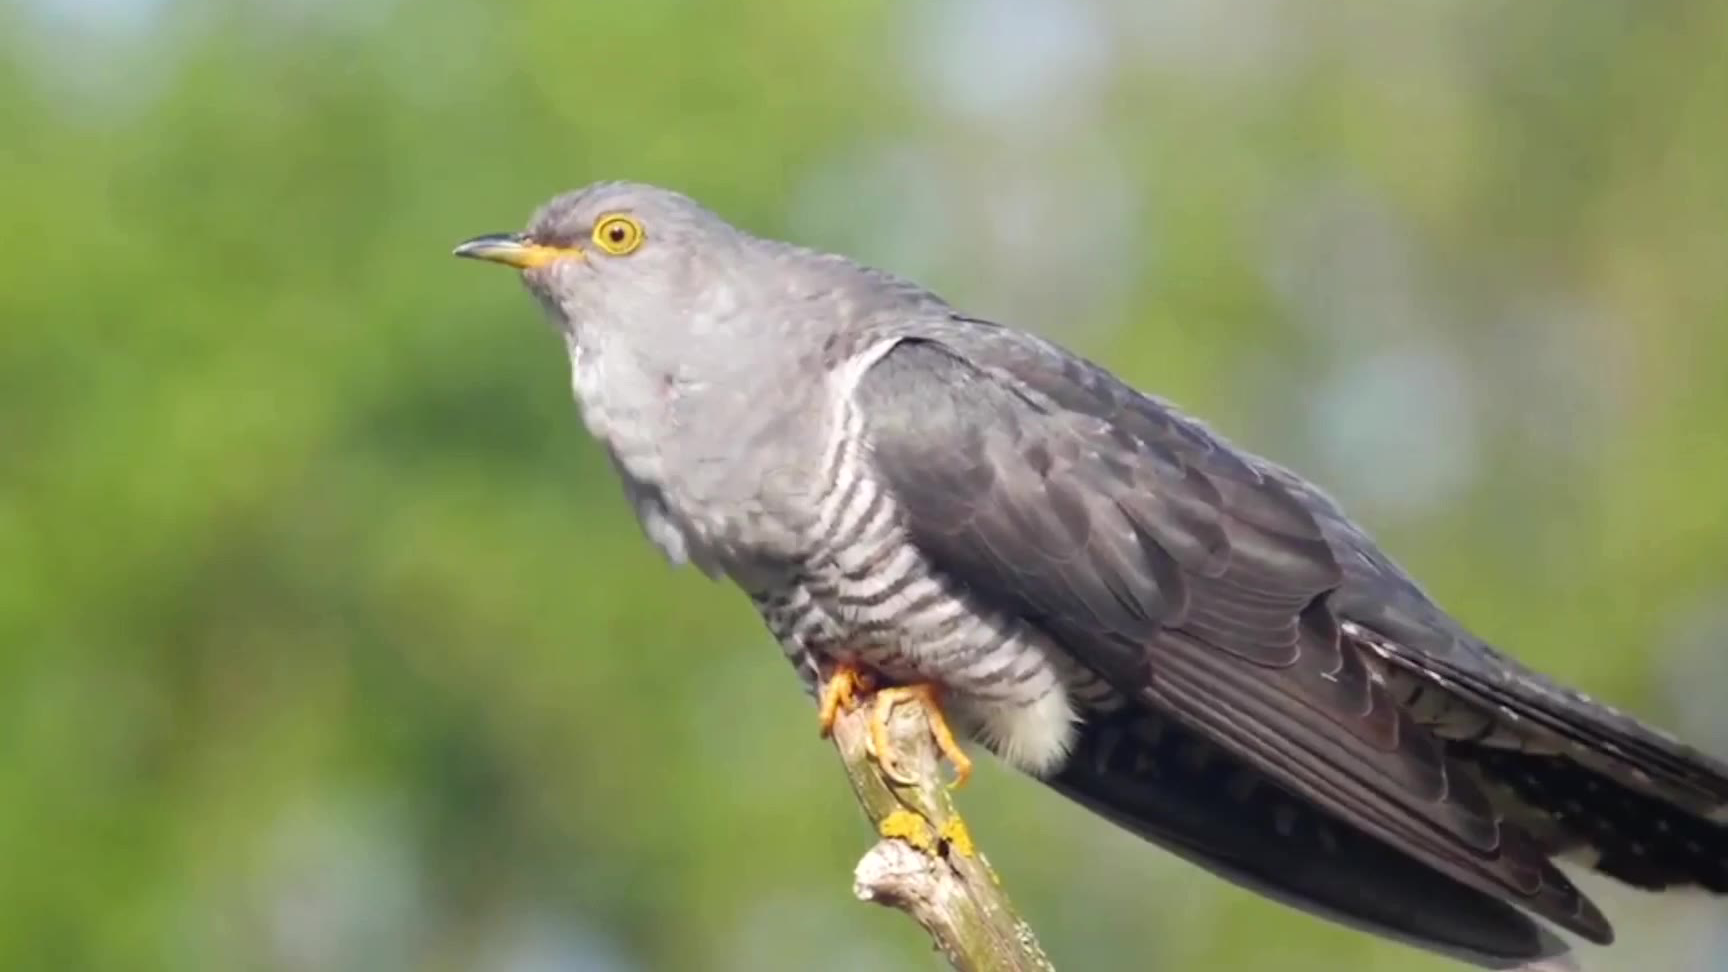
(618, 254)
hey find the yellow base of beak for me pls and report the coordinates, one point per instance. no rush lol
(513, 250)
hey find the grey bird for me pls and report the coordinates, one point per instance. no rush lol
(1188, 639)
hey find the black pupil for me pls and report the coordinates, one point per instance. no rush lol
(616, 232)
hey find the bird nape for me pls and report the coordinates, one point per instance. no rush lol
(1190, 640)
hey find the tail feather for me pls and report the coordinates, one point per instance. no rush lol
(1631, 836)
(1160, 781)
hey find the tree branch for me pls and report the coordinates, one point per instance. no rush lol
(926, 864)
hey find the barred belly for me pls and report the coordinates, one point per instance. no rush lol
(870, 597)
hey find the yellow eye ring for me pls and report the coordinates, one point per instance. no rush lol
(617, 234)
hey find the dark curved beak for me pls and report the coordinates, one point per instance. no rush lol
(512, 250)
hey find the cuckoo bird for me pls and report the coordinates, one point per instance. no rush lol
(1188, 639)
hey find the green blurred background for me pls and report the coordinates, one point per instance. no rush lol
(327, 643)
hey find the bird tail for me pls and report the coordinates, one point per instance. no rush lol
(1644, 807)
(1162, 782)
(1609, 826)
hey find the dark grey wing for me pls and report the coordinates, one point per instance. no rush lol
(1165, 561)
(1422, 637)
(1654, 810)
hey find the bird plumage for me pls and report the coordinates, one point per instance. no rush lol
(1190, 640)
(1198, 585)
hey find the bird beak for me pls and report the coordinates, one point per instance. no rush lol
(513, 250)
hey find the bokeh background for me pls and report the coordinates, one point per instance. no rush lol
(327, 643)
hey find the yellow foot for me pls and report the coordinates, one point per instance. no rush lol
(929, 696)
(840, 692)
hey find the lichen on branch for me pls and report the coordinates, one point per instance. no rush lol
(925, 863)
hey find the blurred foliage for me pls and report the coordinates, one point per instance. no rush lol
(327, 643)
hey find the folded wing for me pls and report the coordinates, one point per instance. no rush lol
(1200, 587)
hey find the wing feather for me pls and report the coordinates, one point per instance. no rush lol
(1420, 637)
(1199, 586)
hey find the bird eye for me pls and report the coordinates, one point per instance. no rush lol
(617, 234)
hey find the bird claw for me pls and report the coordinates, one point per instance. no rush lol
(848, 685)
(840, 693)
(928, 695)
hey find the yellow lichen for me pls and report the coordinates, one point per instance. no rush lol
(957, 837)
(905, 825)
